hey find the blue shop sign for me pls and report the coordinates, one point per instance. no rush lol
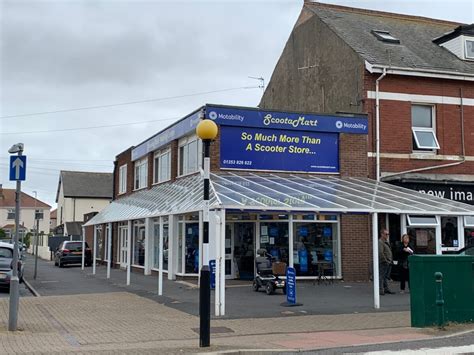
(279, 150)
(228, 116)
(180, 129)
(291, 285)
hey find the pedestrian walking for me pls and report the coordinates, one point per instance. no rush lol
(404, 252)
(385, 262)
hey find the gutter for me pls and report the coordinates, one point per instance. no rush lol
(377, 124)
(428, 73)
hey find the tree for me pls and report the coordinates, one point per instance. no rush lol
(3, 235)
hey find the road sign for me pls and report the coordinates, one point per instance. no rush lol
(17, 167)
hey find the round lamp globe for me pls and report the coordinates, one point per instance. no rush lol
(206, 130)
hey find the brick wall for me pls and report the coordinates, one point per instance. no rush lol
(356, 247)
(395, 122)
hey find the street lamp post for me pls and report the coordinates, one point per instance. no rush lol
(207, 131)
(14, 281)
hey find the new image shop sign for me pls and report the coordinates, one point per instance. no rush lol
(282, 150)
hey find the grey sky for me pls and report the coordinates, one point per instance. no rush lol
(69, 54)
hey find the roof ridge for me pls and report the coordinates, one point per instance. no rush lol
(310, 4)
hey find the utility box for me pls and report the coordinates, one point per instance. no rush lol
(457, 284)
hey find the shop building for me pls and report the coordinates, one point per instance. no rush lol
(292, 183)
(414, 78)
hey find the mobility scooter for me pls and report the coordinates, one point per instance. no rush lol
(268, 273)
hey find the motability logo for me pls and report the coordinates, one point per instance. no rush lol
(268, 119)
(213, 115)
(339, 124)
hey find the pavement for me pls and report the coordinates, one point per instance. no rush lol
(133, 320)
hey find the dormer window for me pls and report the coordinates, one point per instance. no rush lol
(469, 45)
(460, 42)
(385, 36)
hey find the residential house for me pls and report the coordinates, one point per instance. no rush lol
(30, 208)
(53, 220)
(79, 193)
(414, 78)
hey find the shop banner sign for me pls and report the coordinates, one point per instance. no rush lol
(291, 285)
(183, 127)
(279, 150)
(227, 116)
(212, 267)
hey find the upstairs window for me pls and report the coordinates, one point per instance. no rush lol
(162, 166)
(423, 128)
(469, 45)
(188, 155)
(123, 179)
(141, 174)
(11, 213)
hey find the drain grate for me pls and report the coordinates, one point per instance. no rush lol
(216, 330)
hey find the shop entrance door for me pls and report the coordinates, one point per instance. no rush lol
(123, 236)
(240, 250)
(229, 258)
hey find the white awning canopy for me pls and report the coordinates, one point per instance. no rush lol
(267, 192)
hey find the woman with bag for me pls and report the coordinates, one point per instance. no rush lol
(404, 252)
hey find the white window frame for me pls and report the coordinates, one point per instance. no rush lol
(469, 221)
(413, 223)
(11, 211)
(158, 163)
(468, 57)
(123, 179)
(185, 142)
(140, 164)
(415, 129)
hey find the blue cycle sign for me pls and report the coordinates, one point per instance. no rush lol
(291, 285)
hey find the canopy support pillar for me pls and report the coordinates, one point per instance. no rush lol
(375, 260)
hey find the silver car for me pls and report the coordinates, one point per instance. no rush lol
(6, 259)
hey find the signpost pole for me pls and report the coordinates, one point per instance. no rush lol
(17, 172)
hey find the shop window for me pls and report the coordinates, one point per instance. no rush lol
(274, 238)
(449, 232)
(423, 239)
(123, 179)
(138, 244)
(141, 174)
(188, 155)
(191, 243)
(419, 220)
(162, 166)
(423, 128)
(314, 248)
(469, 221)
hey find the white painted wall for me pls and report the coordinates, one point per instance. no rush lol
(27, 218)
(74, 209)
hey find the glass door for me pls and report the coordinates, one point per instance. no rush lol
(229, 259)
(243, 250)
(123, 233)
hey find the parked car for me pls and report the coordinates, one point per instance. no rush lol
(70, 252)
(6, 264)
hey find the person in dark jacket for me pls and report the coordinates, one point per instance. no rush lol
(405, 250)
(385, 262)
